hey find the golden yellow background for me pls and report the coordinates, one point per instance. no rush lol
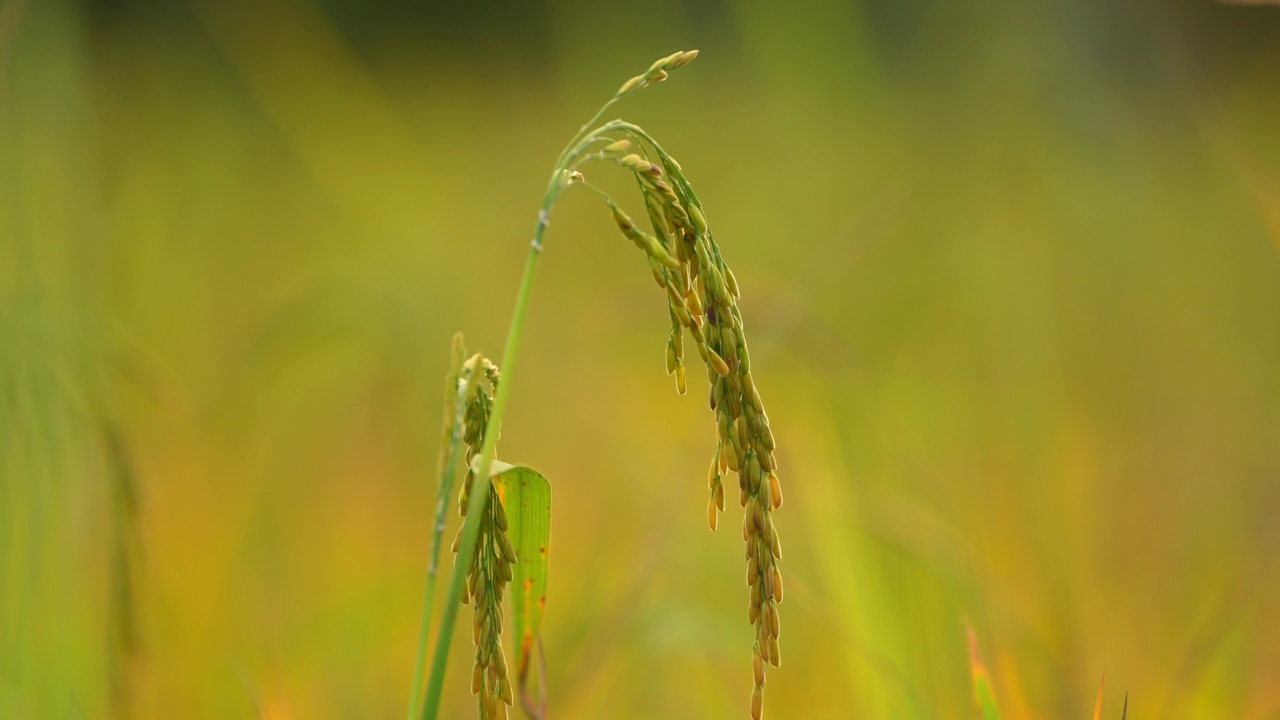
(1011, 281)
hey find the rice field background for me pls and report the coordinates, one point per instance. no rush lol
(1011, 272)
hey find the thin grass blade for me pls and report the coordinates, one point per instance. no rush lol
(455, 394)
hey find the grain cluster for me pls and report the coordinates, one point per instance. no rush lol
(491, 563)
(702, 296)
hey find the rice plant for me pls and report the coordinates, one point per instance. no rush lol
(701, 295)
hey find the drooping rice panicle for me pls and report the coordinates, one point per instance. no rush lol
(702, 299)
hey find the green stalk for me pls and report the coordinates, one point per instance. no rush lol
(448, 466)
(479, 494)
(479, 485)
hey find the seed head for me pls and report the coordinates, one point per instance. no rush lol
(669, 62)
(657, 252)
(732, 282)
(693, 303)
(635, 162)
(685, 58)
(699, 221)
(624, 223)
(486, 580)
(702, 297)
(717, 362)
(630, 86)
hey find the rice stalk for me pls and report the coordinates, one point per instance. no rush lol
(702, 300)
(457, 394)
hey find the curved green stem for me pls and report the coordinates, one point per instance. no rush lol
(479, 484)
(580, 142)
(479, 496)
(562, 159)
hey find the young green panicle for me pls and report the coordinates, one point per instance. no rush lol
(491, 563)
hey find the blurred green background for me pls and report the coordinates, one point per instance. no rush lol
(1011, 278)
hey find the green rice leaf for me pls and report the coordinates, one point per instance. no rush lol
(526, 497)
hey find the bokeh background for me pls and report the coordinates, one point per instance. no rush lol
(1011, 280)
